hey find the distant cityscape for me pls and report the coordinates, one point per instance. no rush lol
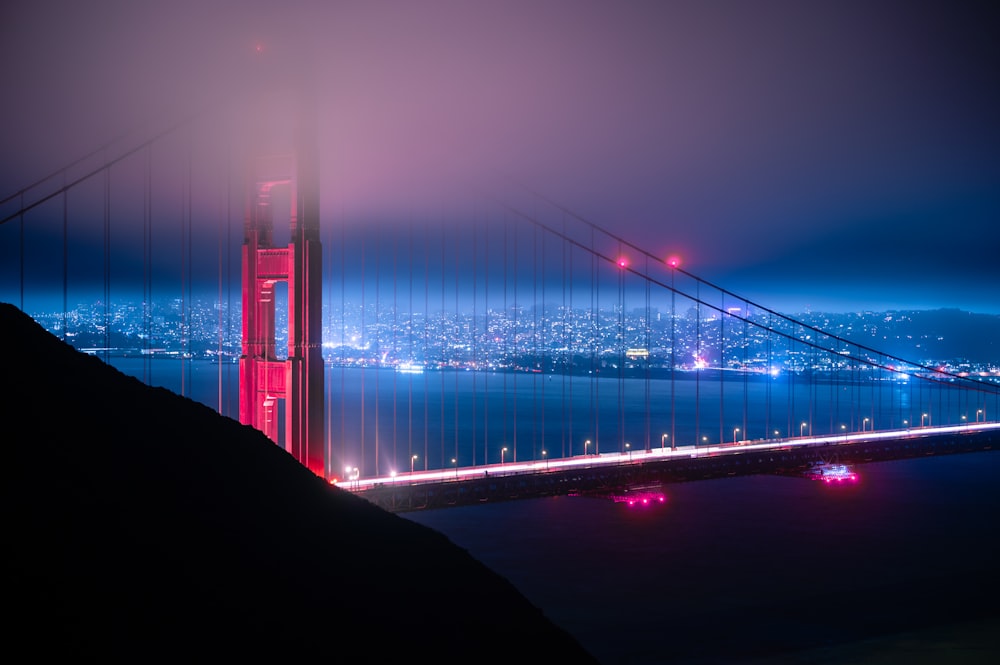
(554, 338)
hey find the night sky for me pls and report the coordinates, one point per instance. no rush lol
(823, 155)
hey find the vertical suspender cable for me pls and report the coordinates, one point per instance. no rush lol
(475, 330)
(487, 337)
(697, 357)
(534, 342)
(456, 336)
(595, 418)
(343, 336)
(364, 348)
(646, 344)
(673, 355)
(377, 334)
(567, 344)
(65, 248)
(427, 318)
(746, 373)
(20, 244)
(516, 333)
(722, 368)
(441, 342)
(147, 262)
(506, 330)
(394, 353)
(107, 262)
(621, 352)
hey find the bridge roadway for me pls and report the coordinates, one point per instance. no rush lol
(608, 473)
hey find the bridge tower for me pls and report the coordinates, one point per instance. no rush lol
(272, 386)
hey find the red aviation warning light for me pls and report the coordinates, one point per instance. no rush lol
(673, 261)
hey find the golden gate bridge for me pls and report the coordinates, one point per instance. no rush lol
(501, 334)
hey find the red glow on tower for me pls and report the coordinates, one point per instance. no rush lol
(673, 261)
(622, 262)
(267, 379)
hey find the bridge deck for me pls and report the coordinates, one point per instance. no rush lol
(607, 474)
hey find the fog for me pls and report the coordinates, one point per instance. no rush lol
(766, 142)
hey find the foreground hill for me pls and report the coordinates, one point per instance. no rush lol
(142, 526)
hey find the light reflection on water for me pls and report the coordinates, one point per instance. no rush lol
(728, 569)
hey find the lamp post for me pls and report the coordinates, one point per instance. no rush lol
(455, 462)
(412, 460)
(545, 456)
(864, 424)
(802, 429)
(586, 445)
(628, 448)
(502, 451)
(927, 416)
(663, 440)
(392, 474)
(978, 412)
(736, 430)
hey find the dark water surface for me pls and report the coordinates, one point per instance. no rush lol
(761, 567)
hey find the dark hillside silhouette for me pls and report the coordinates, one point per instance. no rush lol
(142, 526)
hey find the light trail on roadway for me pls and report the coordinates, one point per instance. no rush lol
(358, 484)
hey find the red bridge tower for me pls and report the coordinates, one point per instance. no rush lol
(272, 386)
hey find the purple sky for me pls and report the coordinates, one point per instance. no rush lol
(830, 155)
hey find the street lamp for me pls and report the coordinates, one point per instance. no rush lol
(980, 411)
(502, 451)
(392, 474)
(927, 416)
(412, 460)
(455, 462)
(663, 444)
(586, 445)
(628, 447)
(864, 424)
(704, 439)
(736, 430)
(802, 428)
(545, 455)
(777, 434)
